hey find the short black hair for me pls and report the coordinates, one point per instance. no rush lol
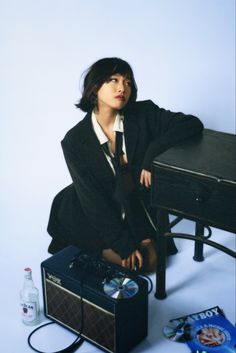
(99, 73)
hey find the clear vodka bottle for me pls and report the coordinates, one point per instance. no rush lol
(29, 300)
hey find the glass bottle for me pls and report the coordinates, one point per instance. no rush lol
(29, 300)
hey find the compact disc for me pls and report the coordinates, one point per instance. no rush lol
(120, 288)
(178, 331)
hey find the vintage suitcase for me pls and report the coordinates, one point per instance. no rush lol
(197, 179)
(113, 311)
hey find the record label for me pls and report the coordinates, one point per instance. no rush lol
(121, 288)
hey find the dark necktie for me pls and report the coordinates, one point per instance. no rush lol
(115, 160)
(124, 184)
(125, 193)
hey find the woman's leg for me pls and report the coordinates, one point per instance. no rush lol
(111, 256)
(148, 251)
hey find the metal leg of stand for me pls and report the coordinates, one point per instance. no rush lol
(198, 249)
(161, 255)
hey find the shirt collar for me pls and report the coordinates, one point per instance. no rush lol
(118, 126)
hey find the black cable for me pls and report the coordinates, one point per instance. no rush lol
(149, 280)
(71, 348)
(76, 343)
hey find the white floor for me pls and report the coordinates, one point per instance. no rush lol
(191, 287)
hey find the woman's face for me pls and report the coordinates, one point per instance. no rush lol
(114, 93)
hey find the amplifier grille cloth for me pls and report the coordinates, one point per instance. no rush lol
(65, 306)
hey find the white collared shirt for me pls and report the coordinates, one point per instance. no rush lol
(118, 126)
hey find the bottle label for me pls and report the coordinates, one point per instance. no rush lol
(28, 311)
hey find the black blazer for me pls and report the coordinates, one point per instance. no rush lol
(85, 212)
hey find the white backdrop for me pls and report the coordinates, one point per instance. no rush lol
(183, 56)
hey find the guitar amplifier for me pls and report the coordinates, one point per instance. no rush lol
(105, 303)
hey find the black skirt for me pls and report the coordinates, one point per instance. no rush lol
(68, 224)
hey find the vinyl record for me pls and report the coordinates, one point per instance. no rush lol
(121, 288)
(178, 331)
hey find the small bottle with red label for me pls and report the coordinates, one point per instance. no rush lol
(29, 300)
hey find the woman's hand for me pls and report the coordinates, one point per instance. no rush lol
(145, 178)
(132, 260)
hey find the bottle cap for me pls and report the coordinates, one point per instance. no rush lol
(28, 273)
(27, 269)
